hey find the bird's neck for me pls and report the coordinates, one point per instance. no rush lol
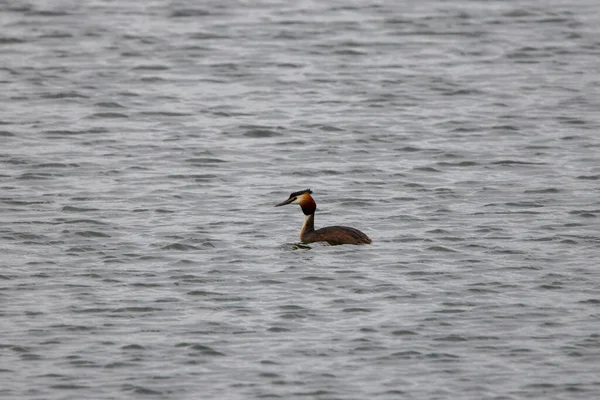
(309, 225)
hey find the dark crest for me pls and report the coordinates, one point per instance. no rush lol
(298, 193)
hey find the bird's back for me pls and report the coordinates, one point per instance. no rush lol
(337, 235)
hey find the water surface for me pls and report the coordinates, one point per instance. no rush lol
(145, 144)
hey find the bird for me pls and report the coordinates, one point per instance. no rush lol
(334, 235)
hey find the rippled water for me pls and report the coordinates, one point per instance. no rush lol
(144, 145)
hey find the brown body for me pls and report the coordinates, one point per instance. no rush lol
(333, 235)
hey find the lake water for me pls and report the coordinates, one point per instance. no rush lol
(144, 144)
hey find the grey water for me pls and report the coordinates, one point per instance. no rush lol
(144, 144)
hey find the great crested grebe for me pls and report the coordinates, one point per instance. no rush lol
(331, 234)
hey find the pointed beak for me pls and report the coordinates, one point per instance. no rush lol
(288, 201)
